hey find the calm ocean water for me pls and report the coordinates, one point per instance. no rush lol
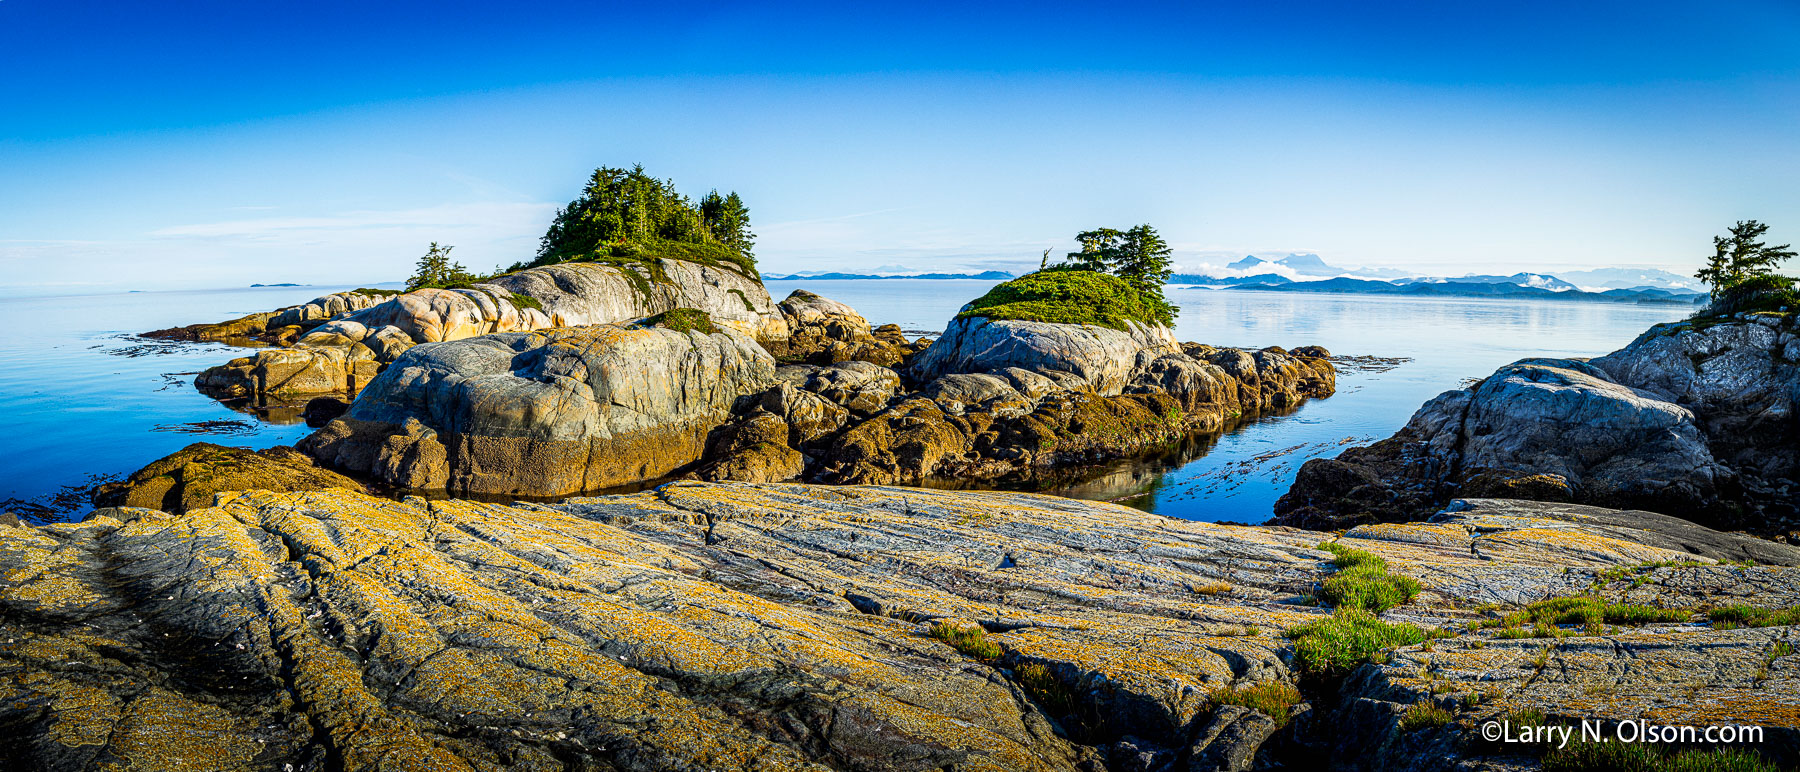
(89, 401)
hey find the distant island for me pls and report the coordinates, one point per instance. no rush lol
(986, 275)
(284, 284)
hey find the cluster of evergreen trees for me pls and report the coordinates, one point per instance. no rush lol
(436, 269)
(1139, 255)
(626, 213)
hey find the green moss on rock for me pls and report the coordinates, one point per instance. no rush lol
(683, 320)
(1071, 297)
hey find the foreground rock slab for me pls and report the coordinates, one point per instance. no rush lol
(769, 627)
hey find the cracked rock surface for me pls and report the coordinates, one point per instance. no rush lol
(738, 626)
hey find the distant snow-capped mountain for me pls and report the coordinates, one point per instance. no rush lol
(1627, 278)
(1538, 280)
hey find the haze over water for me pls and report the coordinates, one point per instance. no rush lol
(88, 400)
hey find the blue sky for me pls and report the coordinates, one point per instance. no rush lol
(197, 144)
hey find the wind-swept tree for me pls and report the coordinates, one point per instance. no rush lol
(436, 269)
(1741, 256)
(1099, 250)
(1143, 259)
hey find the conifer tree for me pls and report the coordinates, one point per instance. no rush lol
(435, 269)
(1741, 256)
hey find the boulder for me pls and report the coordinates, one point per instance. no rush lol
(1694, 419)
(599, 293)
(808, 416)
(823, 331)
(291, 374)
(546, 413)
(190, 478)
(754, 449)
(734, 626)
(1103, 357)
(859, 387)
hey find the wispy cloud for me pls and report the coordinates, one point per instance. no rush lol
(483, 215)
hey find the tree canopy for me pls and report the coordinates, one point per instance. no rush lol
(1139, 256)
(1741, 256)
(624, 213)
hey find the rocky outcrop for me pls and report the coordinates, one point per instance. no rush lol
(191, 477)
(281, 327)
(1103, 357)
(1000, 400)
(1011, 422)
(546, 413)
(823, 331)
(350, 338)
(323, 309)
(759, 627)
(1696, 420)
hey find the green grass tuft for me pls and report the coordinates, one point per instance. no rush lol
(1045, 688)
(1070, 297)
(1751, 616)
(1424, 715)
(1363, 581)
(1638, 757)
(1347, 638)
(971, 641)
(1270, 698)
(524, 301)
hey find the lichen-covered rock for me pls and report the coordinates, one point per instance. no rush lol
(1013, 421)
(189, 478)
(1694, 420)
(859, 387)
(763, 627)
(546, 413)
(598, 293)
(752, 449)
(292, 374)
(808, 416)
(823, 331)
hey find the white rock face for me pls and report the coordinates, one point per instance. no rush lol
(551, 413)
(1569, 418)
(1103, 357)
(593, 293)
(571, 294)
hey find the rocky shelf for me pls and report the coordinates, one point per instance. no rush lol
(742, 626)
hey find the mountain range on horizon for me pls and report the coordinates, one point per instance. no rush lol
(1307, 264)
(1307, 272)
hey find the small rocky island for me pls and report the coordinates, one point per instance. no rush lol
(426, 583)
